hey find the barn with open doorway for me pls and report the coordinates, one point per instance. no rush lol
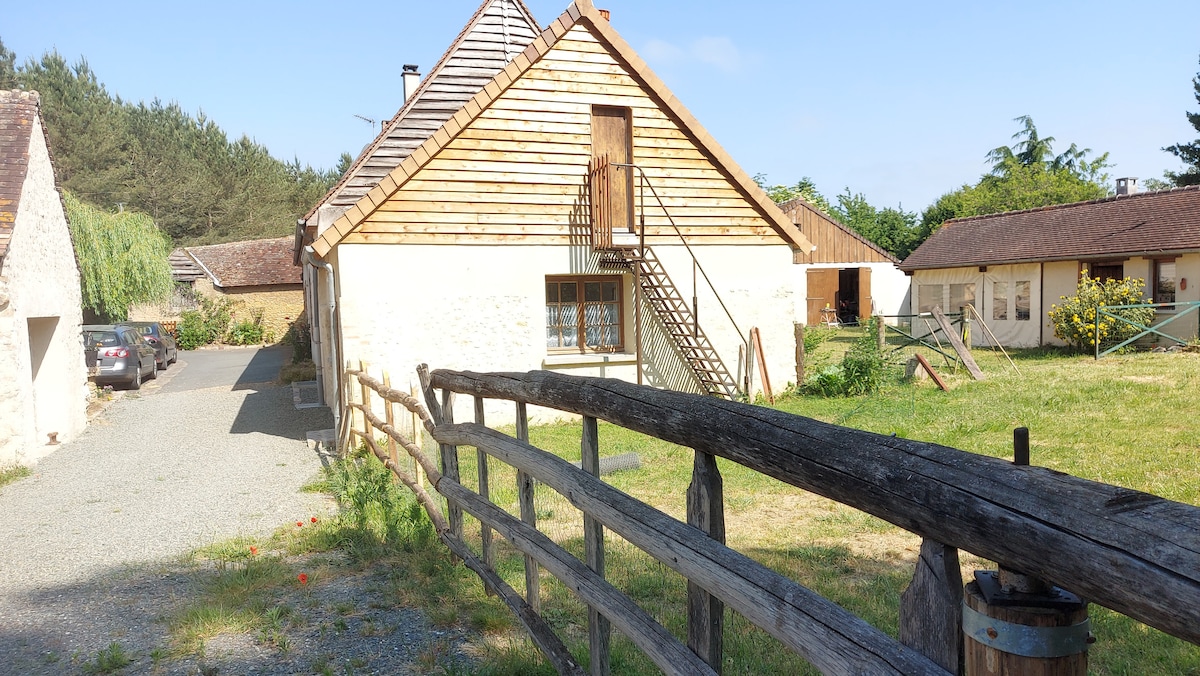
(847, 277)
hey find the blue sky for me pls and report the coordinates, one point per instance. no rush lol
(897, 100)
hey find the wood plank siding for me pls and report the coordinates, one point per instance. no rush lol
(518, 170)
(835, 242)
(499, 30)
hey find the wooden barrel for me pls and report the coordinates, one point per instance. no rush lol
(1030, 641)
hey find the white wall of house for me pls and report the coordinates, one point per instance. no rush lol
(1009, 298)
(483, 308)
(43, 379)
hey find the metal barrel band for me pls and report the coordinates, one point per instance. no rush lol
(1023, 639)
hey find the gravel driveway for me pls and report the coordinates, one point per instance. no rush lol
(95, 542)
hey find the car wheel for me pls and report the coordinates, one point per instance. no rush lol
(174, 357)
(136, 383)
(153, 371)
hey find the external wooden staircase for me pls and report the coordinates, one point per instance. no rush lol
(676, 316)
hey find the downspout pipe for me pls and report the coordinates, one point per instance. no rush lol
(334, 338)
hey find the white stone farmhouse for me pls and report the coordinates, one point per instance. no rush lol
(43, 379)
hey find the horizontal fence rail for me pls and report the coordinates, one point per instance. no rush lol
(1133, 552)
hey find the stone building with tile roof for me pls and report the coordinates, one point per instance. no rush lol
(257, 276)
(1013, 266)
(43, 378)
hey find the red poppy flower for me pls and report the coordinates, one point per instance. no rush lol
(314, 519)
(254, 551)
(303, 578)
(299, 524)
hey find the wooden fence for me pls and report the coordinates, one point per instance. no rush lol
(1133, 552)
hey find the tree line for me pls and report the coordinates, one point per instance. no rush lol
(198, 185)
(1024, 175)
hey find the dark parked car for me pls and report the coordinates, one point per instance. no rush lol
(165, 352)
(118, 354)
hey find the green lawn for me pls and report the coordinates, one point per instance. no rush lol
(1124, 420)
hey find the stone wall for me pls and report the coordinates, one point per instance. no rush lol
(280, 305)
(41, 281)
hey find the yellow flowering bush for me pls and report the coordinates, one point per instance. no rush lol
(1075, 318)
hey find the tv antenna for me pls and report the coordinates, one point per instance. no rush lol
(365, 119)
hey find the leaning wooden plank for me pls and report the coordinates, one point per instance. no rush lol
(1136, 553)
(932, 374)
(832, 639)
(659, 645)
(957, 342)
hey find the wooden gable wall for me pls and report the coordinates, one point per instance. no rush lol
(835, 242)
(518, 171)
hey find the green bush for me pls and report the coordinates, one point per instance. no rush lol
(203, 326)
(861, 371)
(1075, 319)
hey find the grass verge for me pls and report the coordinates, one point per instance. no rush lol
(13, 474)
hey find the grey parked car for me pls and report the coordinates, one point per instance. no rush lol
(118, 354)
(165, 352)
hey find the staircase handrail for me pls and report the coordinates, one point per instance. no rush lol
(645, 182)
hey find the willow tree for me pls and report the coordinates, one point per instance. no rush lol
(122, 258)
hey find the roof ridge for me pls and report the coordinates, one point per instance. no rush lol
(1055, 207)
(850, 231)
(387, 129)
(580, 10)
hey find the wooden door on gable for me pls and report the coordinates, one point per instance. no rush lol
(612, 138)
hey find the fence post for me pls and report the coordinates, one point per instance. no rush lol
(1015, 623)
(798, 329)
(390, 418)
(880, 333)
(418, 436)
(706, 511)
(931, 607)
(528, 514)
(485, 533)
(368, 430)
(450, 465)
(599, 630)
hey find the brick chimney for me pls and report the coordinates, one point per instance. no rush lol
(411, 78)
(1127, 186)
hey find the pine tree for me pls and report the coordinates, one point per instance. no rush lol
(1188, 152)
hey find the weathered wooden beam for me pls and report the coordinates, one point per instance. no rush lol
(660, 646)
(831, 638)
(1133, 552)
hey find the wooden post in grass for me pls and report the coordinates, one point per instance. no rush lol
(368, 431)
(798, 329)
(706, 511)
(450, 464)
(931, 607)
(485, 533)
(528, 515)
(599, 629)
(418, 435)
(880, 333)
(390, 417)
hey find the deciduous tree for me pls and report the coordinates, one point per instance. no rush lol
(122, 258)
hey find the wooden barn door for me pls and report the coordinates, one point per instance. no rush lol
(822, 291)
(864, 293)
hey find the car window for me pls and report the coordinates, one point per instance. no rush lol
(101, 338)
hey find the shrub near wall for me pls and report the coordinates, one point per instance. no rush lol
(1075, 318)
